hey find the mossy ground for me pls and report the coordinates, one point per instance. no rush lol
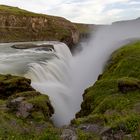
(37, 124)
(114, 100)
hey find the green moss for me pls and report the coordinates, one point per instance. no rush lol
(126, 84)
(87, 135)
(27, 94)
(129, 81)
(10, 85)
(37, 126)
(96, 95)
(114, 99)
(38, 116)
(50, 134)
(2, 102)
(124, 62)
(128, 124)
(42, 103)
(113, 102)
(94, 118)
(12, 127)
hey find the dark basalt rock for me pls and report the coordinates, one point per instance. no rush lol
(20, 106)
(10, 85)
(69, 134)
(45, 47)
(128, 84)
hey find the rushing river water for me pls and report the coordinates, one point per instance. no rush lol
(64, 76)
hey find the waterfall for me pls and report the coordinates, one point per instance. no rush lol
(53, 78)
(64, 76)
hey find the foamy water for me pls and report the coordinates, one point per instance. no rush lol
(64, 76)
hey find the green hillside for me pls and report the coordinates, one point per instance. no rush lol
(15, 10)
(113, 102)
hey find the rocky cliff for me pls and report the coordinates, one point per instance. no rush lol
(85, 30)
(111, 107)
(21, 25)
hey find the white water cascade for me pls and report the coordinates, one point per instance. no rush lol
(53, 78)
(62, 76)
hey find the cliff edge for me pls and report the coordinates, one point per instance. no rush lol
(21, 25)
(111, 107)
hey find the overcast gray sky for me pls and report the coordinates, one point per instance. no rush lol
(85, 11)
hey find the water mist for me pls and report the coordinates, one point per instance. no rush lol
(89, 63)
(64, 76)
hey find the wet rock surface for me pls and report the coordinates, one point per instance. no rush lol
(45, 47)
(69, 134)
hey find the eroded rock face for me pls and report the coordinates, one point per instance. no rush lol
(27, 26)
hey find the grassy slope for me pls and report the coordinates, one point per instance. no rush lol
(35, 126)
(114, 100)
(15, 10)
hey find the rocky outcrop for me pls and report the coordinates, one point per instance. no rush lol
(24, 112)
(21, 25)
(126, 84)
(86, 31)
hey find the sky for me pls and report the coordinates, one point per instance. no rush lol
(82, 11)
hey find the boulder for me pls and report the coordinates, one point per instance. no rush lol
(22, 108)
(68, 134)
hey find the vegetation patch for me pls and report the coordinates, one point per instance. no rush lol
(24, 112)
(113, 101)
